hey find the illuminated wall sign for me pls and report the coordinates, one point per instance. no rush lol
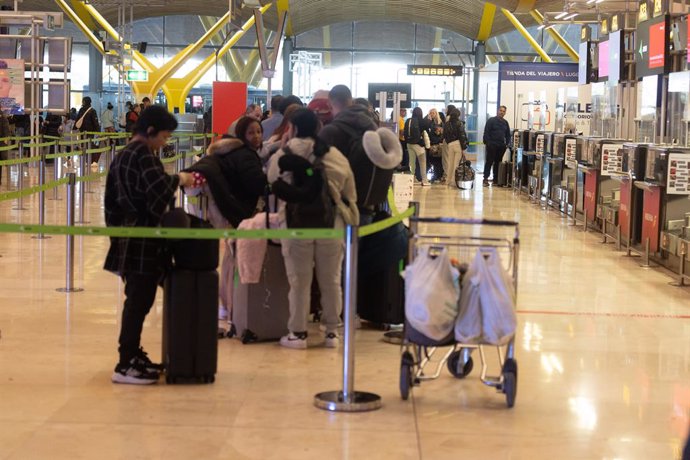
(614, 22)
(137, 75)
(659, 8)
(435, 70)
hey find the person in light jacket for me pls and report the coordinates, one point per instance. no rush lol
(326, 255)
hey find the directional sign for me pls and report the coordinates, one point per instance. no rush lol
(137, 75)
(435, 70)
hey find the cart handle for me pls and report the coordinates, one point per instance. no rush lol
(453, 220)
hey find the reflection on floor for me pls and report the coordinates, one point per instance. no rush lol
(602, 347)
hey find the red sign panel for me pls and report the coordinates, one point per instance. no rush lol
(590, 203)
(657, 42)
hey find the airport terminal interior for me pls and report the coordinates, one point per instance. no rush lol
(592, 176)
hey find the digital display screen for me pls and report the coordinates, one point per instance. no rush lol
(197, 101)
(614, 58)
(603, 60)
(652, 47)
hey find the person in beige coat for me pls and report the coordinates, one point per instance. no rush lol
(325, 257)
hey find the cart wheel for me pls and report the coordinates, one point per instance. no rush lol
(453, 361)
(510, 381)
(406, 363)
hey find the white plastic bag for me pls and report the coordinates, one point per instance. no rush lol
(487, 304)
(468, 327)
(497, 297)
(431, 294)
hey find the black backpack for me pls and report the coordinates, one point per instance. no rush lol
(371, 181)
(413, 133)
(316, 210)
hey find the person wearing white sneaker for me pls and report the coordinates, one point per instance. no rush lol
(317, 188)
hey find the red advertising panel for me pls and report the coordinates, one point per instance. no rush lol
(624, 211)
(657, 45)
(651, 209)
(229, 103)
(590, 203)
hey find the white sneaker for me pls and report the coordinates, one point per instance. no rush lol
(297, 341)
(332, 340)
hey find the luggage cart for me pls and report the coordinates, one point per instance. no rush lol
(418, 350)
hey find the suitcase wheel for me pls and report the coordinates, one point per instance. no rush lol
(249, 337)
(209, 378)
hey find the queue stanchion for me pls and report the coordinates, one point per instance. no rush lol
(57, 166)
(349, 400)
(82, 188)
(20, 177)
(69, 271)
(41, 194)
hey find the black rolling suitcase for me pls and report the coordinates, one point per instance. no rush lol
(261, 311)
(190, 325)
(504, 173)
(381, 296)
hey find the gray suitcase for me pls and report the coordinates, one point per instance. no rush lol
(260, 311)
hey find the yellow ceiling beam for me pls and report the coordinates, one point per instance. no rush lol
(557, 37)
(193, 77)
(86, 30)
(137, 56)
(526, 35)
(78, 7)
(284, 5)
(161, 75)
(487, 22)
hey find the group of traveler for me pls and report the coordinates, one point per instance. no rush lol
(436, 142)
(314, 168)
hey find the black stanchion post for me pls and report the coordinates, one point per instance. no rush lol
(69, 272)
(349, 400)
(20, 179)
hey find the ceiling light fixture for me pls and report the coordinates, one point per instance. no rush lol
(598, 1)
(569, 17)
(561, 14)
(589, 2)
(550, 26)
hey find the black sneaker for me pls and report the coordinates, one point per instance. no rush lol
(149, 365)
(486, 183)
(134, 373)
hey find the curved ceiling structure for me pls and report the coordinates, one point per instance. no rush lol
(461, 16)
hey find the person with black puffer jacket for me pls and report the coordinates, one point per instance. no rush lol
(456, 137)
(414, 128)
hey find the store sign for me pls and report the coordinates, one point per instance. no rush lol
(571, 153)
(657, 42)
(435, 70)
(137, 75)
(658, 8)
(538, 72)
(604, 27)
(614, 22)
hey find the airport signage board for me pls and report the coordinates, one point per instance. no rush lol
(434, 70)
(137, 75)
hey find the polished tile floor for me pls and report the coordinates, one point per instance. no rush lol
(602, 346)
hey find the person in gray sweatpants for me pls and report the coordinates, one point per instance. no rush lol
(325, 257)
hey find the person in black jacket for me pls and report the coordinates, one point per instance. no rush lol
(234, 182)
(414, 127)
(137, 193)
(87, 121)
(496, 138)
(456, 138)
